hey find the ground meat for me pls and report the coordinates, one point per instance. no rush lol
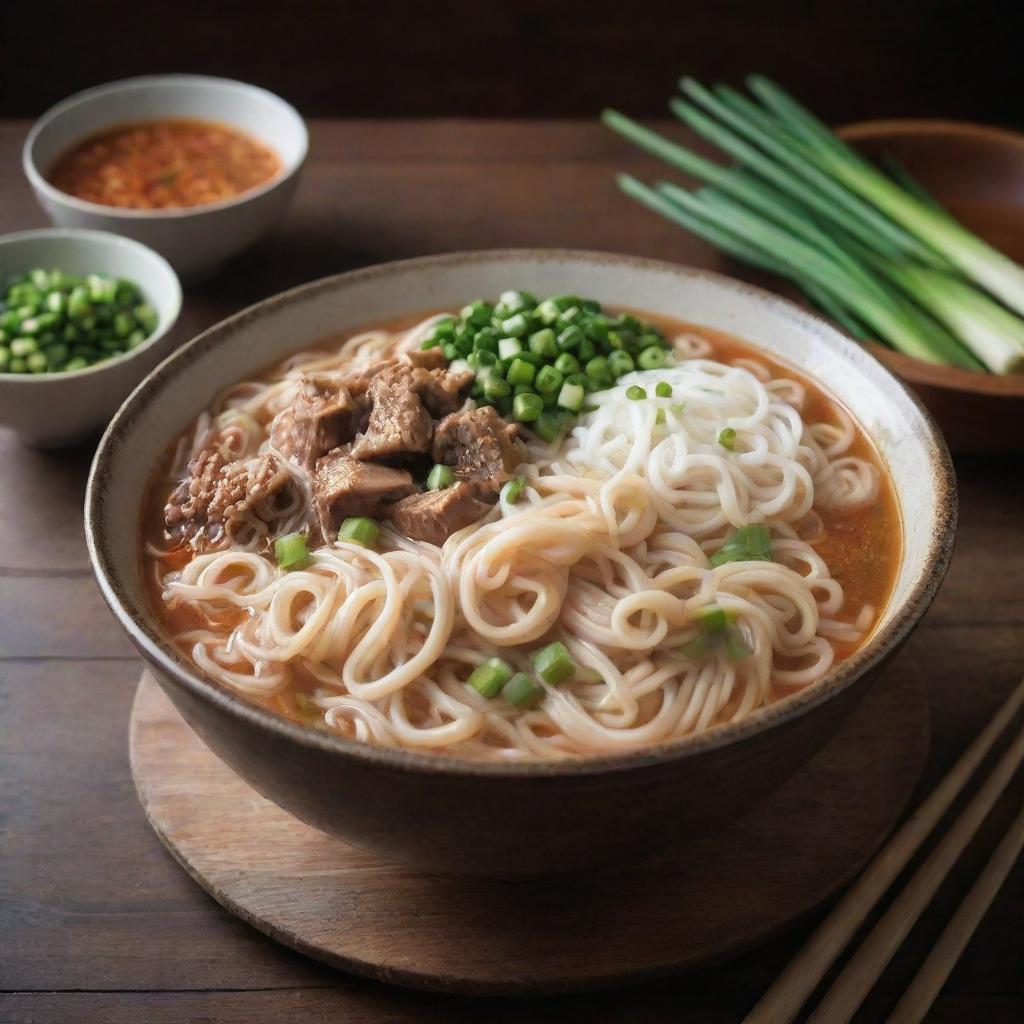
(434, 516)
(345, 486)
(216, 492)
(481, 447)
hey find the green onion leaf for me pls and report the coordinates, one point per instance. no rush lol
(748, 544)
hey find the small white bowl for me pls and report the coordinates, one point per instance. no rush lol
(194, 239)
(50, 410)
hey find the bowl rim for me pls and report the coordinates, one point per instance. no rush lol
(101, 239)
(883, 642)
(37, 179)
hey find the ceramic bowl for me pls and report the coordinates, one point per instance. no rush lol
(977, 172)
(53, 409)
(196, 239)
(458, 816)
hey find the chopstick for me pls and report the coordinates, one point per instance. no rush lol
(866, 965)
(781, 1003)
(922, 991)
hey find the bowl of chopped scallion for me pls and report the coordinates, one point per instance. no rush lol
(84, 316)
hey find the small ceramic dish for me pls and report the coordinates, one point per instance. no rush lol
(977, 172)
(49, 410)
(464, 816)
(194, 239)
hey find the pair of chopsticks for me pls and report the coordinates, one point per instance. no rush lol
(784, 1000)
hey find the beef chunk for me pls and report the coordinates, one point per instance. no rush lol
(345, 486)
(428, 358)
(357, 379)
(216, 492)
(399, 421)
(441, 391)
(323, 416)
(480, 446)
(434, 516)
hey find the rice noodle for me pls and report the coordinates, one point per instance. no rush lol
(607, 550)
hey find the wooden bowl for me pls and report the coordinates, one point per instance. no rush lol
(464, 817)
(977, 172)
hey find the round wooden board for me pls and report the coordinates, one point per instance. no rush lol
(677, 910)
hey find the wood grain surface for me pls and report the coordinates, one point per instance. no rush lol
(679, 909)
(97, 921)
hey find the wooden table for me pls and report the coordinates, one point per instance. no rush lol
(97, 923)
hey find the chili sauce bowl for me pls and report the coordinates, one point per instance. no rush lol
(52, 410)
(195, 240)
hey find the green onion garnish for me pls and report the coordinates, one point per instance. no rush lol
(527, 407)
(635, 392)
(359, 530)
(439, 478)
(513, 490)
(727, 438)
(748, 544)
(488, 679)
(291, 551)
(663, 389)
(554, 663)
(522, 691)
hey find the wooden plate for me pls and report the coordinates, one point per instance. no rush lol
(685, 907)
(977, 172)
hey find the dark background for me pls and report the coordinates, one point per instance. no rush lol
(384, 58)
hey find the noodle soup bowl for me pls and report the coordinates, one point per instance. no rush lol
(442, 813)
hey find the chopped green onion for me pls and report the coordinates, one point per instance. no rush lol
(651, 358)
(522, 691)
(713, 620)
(521, 372)
(736, 648)
(488, 679)
(515, 326)
(597, 371)
(509, 347)
(620, 363)
(438, 479)
(292, 552)
(548, 381)
(550, 425)
(554, 663)
(635, 392)
(663, 389)
(748, 544)
(359, 530)
(495, 388)
(513, 490)
(306, 705)
(544, 344)
(727, 438)
(570, 338)
(527, 407)
(571, 397)
(567, 363)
